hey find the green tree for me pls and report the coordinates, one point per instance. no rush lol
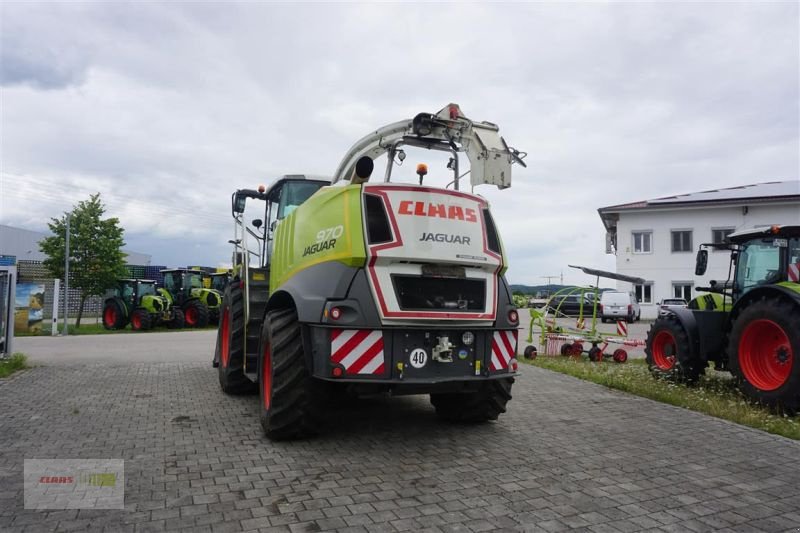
(95, 246)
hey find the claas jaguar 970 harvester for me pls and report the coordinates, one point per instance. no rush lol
(364, 285)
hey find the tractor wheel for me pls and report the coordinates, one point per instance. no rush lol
(290, 397)
(140, 320)
(668, 353)
(764, 353)
(195, 314)
(230, 345)
(487, 403)
(530, 352)
(620, 355)
(177, 321)
(113, 315)
(595, 354)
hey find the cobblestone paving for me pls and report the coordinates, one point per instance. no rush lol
(568, 456)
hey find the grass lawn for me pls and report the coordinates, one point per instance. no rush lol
(98, 329)
(715, 394)
(14, 363)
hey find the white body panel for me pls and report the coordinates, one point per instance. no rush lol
(431, 226)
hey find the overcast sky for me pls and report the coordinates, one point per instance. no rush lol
(165, 109)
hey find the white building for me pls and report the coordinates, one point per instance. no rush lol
(657, 239)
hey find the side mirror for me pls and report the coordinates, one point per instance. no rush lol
(238, 202)
(702, 263)
(257, 223)
(273, 225)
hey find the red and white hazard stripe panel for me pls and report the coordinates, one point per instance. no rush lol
(794, 272)
(359, 351)
(504, 348)
(622, 328)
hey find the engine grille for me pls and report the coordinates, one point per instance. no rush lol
(418, 293)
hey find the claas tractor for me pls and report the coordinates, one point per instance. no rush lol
(135, 301)
(361, 285)
(184, 288)
(748, 325)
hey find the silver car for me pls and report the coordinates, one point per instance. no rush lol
(670, 303)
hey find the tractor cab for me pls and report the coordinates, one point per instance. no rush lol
(182, 281)
(220, 280)
(760, 257)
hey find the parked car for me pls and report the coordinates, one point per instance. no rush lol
(570, 305)
(615, 305)
(670, 303)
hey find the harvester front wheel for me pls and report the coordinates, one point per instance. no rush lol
(177, 321)
(195, 314)
(668, 353)
(140, 320)
(230, 345)
(487, 403)
(113, 315)
(765, 353)
(288, 393)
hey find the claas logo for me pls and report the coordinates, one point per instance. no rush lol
(426, 209)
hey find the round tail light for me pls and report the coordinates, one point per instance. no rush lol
(335, 313)
(513, 316)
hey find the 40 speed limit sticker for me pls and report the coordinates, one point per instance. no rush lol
(418, 358)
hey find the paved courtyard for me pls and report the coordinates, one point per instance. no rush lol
(568, 455)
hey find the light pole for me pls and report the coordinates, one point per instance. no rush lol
(66, 279)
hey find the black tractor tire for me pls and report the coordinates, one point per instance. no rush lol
(177, 321)
(668, 353)
(114, 315)
(230, 345)
(487, 403)
(290, 398)
(195, 314)
(141, 320)
(764, 353)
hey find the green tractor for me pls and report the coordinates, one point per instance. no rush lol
(136, 301)
(183, 287)
(748, 325)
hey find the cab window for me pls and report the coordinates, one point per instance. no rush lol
(759, 264)
(294, 193)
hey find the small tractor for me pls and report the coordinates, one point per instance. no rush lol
(183, 287)
(136, 301)
(359, 287)
(748, 325)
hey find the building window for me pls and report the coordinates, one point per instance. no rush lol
(718, 235)
(681, 241)
(682, 289)
(644, 293)
(642, 242)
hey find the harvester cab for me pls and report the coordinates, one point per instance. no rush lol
(748, 324)
(136, 301)
(183, 287)
(362, 284)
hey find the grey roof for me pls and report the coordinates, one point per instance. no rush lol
(767, 192)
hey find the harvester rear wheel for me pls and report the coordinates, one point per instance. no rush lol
(195, 313)
(177, 321)
(140, 320)
(230, 345)
(487, 403)
(113, 315)
(764, 353)
(668, 353)
(289, 394)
